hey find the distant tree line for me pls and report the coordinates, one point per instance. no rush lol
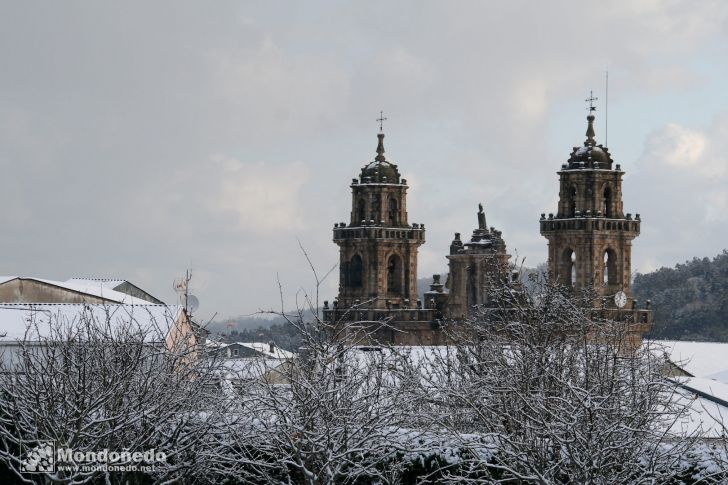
(283, 334)
(690, 301)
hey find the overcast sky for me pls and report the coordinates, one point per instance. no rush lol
(141, 139)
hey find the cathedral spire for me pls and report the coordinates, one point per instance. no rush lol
(590, 131)
(590, 119)
(380, 148)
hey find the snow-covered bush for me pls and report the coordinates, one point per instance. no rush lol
(100, 382)
(565, 395)
(536, 388)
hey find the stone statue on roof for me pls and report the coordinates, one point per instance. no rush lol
(481, 217)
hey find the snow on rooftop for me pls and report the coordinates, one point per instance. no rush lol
(5, 279)
(482, 242)
(19, 321)
(109, 283)
(709, 387)
(707, 392)
(94, 287)
(232, 369)
(704, 416)
(377, 163)
(264, 349)
(213, 344)
(701, 359)
(259, 347)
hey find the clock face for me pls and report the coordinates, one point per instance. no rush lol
(620, 299)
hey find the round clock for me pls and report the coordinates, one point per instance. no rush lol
(620, 299)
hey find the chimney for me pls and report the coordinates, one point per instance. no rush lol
(272, 347)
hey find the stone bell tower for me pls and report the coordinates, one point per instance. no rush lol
(590, 237)
(378, 247)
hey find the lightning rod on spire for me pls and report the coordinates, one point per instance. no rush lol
(606, 109)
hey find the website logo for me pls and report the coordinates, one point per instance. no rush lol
(46, 457)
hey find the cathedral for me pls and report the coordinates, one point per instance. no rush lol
(589, 245)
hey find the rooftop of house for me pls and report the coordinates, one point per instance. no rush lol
(699, 359)
(124, 286)
(267, 350)
(32, 321)
(100, 288)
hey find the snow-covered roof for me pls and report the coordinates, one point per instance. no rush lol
(94, 288)
(109, 283)
(379, 163)
(233, 369)
(706, 392)
(707, 408)
(30, 321)
(264, 349)
(88, 287)
(707, 387)
(701, 359)
(213, 344)
(5, 279)
(115, 284)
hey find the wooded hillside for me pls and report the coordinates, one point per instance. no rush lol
(690, 301)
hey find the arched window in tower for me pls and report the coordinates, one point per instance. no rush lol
(361, 208)
(572, 202)
(568, 267)
(356, 269)
(607, 209)
(393, 211)
(376, 208)
(472, 292)
(610, 268)
(394, 274)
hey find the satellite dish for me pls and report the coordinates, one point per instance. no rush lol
(192, 303)
(179, 285)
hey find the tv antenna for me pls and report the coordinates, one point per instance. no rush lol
(181, 286)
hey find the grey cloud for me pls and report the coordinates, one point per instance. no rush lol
(139, 139)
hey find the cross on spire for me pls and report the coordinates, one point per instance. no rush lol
(591, 100)
(381, 119)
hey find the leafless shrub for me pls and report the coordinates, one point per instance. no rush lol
(330, 416)
(538, 387)
(101, 381)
